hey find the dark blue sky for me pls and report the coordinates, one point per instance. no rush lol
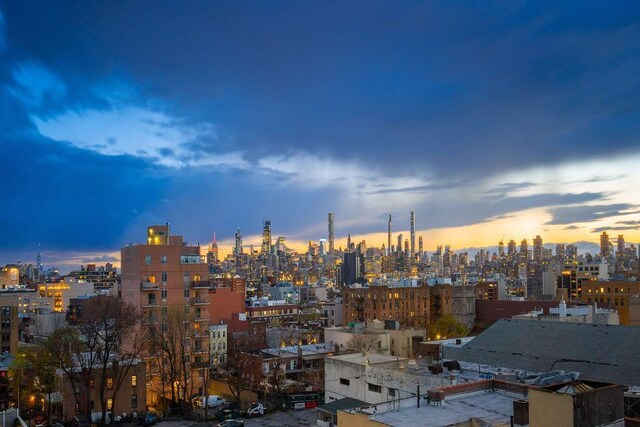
(215, 115)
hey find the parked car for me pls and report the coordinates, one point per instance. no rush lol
(147, 419)
(212, 401)
(228, 414)
(256, 409)
(231, 423)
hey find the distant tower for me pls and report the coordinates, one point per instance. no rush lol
(605, 248)
(212, 255)
(266, 237)
(348, 242)
(537, 249)
(39, 260)
(420, 246)
(501, 248)
(413, 235)
(238, 249)
(389, 236)
(399, 247)
(331, 233)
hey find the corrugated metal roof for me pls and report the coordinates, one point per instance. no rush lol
(598, 352)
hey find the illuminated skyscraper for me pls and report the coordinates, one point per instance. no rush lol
(560, 251)
(331, 233)
(524, 250)
(399, 247)
(501, 248)
(389, 236)
(266, 237)
(621, 246)
(511, 248)
(420, 245)
(237, 251)
(413, 234)
(605, 247)
(537, 249)
(39, 260)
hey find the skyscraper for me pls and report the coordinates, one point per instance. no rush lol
(621, 246)
(524, 250)
(237, 251)
(413, 234)
(331, 233)
(39, 260)
(560, 251)
(501, 248)
(537, 249)
(399, 247)
(389, 236)
(605, 248)
(266, 237)
(420, 246)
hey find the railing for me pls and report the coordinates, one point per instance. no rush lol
(149, 286)
(200, 284)
(198, 300)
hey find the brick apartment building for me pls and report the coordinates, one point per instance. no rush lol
(611, 294)
(130, 397)
(167, 273)
(412, 306)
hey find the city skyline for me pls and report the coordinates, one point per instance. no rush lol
(516, 120)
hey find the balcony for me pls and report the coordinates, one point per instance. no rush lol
(199, 301)
(200, 284)
(201, 319)
(148, 286)
(149, 304)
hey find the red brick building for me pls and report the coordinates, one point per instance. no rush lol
(223, 303)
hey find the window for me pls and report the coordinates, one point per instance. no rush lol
(109, 404)
(109, 383)
(163, 294)
(147, 259)
(163, 259)
(134, 381)
(134, 401)
(164, 278)
(375, 388)
(186, 293)
(91, 383)
(392, 392)
(344, 381)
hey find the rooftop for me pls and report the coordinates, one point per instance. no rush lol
(489, 406)
(599, 352)
(369, 359)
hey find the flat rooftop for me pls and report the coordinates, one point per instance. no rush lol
(306, 350)
(369, 359)
(489, 406)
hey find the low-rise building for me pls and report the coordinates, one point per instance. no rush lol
(389, 337)
(611, 294)
(131, 394)
(218, 345)
(376, 378)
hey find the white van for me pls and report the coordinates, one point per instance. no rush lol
(214, 401)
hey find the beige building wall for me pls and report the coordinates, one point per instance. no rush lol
(550, 409)
(358, 419)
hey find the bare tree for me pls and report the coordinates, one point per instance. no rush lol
(172, 342)
(236, 378)
(111, 323)
(362, 343)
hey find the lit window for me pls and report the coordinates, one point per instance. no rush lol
(134, 381)
(109, 404)
(109, 383)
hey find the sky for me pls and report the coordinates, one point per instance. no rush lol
(491, 121)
